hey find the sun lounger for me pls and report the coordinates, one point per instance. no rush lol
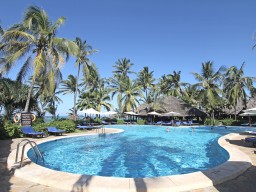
(54, 130)
(167, 123)
(29, 131)
(82, 127)
(178, 123)
(251, 139)
(158, 123)
(105, 123)
(186, 123)
(245, 124)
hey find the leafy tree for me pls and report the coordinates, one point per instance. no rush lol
(209, 86)
(122, 68)
(70, 86)
(13, 96)
(84, 50)
(96, 99)
(35, 41)
(236, 84)
(145, 80)
(132, 94)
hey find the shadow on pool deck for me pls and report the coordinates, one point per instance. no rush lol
(6, 175)
(246, 181)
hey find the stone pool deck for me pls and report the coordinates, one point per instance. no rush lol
(243, 182)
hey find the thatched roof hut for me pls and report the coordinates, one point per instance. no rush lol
(170, 103)
(231, 111)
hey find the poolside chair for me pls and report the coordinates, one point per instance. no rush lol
(245, 124)
(178, 123)
(186, 123)
(55, 131)
(105, 123)
(252, 140)
(158, 123)
(29, 131)
(87, 127)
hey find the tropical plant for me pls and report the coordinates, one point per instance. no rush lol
(236, 84)
(96, 99)
(145, 80)
(34, 41)
(84, 50)
(122, 68)
(132, 94)
(209, 87)
(176, 86)
(13, 96)
(70, 86)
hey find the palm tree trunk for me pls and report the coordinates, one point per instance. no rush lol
(75, 94)
(29, 95)
(235, 112)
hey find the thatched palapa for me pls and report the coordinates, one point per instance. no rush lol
(170, 103)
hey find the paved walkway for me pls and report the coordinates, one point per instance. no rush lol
(8, 182)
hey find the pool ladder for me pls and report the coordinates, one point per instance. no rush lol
(23, 149)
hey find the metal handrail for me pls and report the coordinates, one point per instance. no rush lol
(23, 149)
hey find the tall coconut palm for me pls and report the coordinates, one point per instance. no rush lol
(96, 99)
(176, 85)
(164, 85)
(70, 86)
(132, 94)
(209, 86)
(35, 41)
(146, 80)
(122, 68)
(84, 50)
(236, 84)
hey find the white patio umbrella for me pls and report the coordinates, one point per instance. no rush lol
(252, 110)
(110, 113)
(130, 113)
(90, 111)
(171, 113)
(154, 113)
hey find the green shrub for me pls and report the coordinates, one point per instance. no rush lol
(229, 122)
(97, 120)
(120, 121)
(211, 122)
(141, 122)
(64, 124)
(9, 130)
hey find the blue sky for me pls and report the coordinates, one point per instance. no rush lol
(165, 35)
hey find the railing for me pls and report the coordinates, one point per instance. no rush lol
(23, 149)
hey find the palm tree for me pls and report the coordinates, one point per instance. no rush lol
(146, 80)
(96, 99)
(176, 86)
(122, 68)
(132, 94)
(52, 100)
(84, 50)
(35, 41)
(235, 85)
(209, 86)
(70, 86)
(164, 85)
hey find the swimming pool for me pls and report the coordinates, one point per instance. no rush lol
(138, 152)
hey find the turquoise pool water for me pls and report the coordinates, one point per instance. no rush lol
(138, 152)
